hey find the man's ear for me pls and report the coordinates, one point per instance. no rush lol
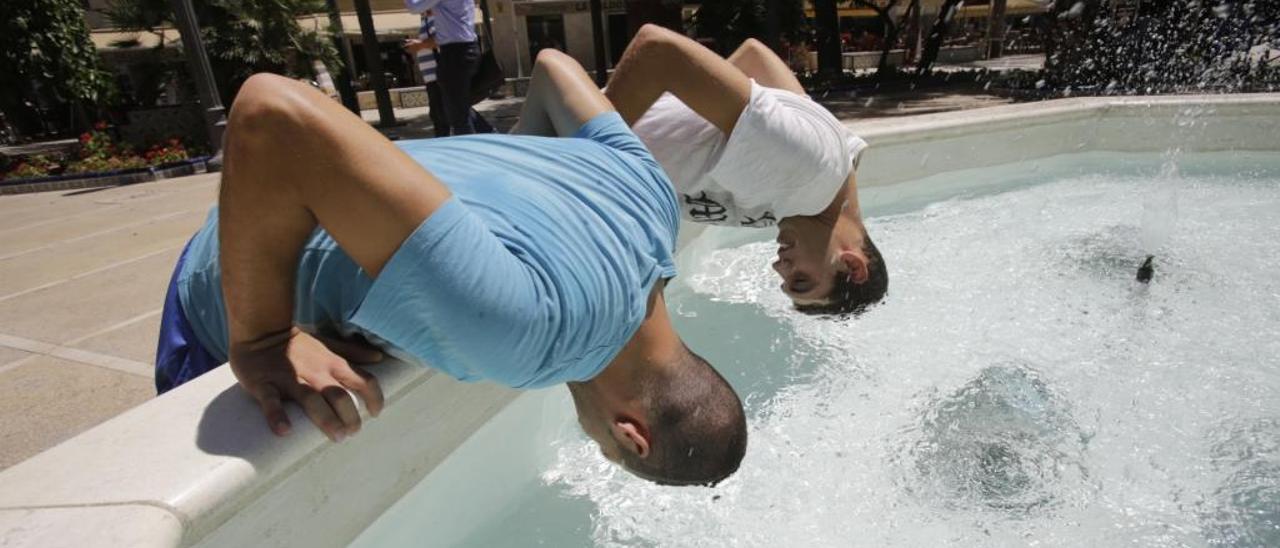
(631, 435)
(856, 263)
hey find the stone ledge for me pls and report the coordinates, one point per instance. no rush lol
(204, 453)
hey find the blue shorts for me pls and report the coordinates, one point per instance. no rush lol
(179, 355)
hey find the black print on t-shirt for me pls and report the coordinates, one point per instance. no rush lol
(705, 210)
(767, 219)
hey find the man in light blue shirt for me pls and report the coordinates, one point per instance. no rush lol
(455, 38)
(524, 260)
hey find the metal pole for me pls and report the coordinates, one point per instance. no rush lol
(343, 83)
(373, 61)
(214, 115)
(597, 37)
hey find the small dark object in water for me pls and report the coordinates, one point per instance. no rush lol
(1147, 270)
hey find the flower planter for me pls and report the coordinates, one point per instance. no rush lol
(77, 181)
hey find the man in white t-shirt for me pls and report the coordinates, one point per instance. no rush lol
(745, 146)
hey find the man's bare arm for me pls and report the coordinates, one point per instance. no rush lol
(759, 63)
(658, 60)
(295, 159)
(561, 97)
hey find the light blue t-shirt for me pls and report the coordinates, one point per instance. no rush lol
(537, 272)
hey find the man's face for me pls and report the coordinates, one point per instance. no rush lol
(808, 260)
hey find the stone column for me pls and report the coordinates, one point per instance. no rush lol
(510, 44)
(995, 29)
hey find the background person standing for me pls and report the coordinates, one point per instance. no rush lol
(457, 59)
(424, 52)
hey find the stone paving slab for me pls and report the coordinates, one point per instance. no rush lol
(48, 400)
(116, 247)
(82, 281)
(10, 355)
(90, 224)
(82, 307)
(27, 211)
(857, 105)
(134, 340)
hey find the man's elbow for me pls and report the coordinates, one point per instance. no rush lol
(264, 104)
(653, 39)
(268, 112)
(648, 31)
(752, 46)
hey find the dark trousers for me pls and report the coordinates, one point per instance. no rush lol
(435, 105)
(440, 122)
(456, 65)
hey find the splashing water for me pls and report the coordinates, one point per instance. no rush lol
(1003, 441)
(1161, 46)
(1004, 395)
(1011, 391)
(1160, 206)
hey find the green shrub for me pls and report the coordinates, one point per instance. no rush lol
(30, 167)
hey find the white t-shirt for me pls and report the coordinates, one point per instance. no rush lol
(787, 156)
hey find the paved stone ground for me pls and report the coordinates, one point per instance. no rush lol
(415, 123)
(83, 276)
(852, 106)
(82, 279)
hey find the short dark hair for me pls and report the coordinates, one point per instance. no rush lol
(697, 427)
(847, 297)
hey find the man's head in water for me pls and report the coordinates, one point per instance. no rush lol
(671, 419)
(827, 262)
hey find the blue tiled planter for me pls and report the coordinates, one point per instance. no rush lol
(108, 178)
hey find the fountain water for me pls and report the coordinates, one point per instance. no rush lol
(1160, 203)
(1159, 213)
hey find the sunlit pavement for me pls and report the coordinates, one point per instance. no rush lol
(415, 123)
(1033, 61)
(83, 277)
(82, 281)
